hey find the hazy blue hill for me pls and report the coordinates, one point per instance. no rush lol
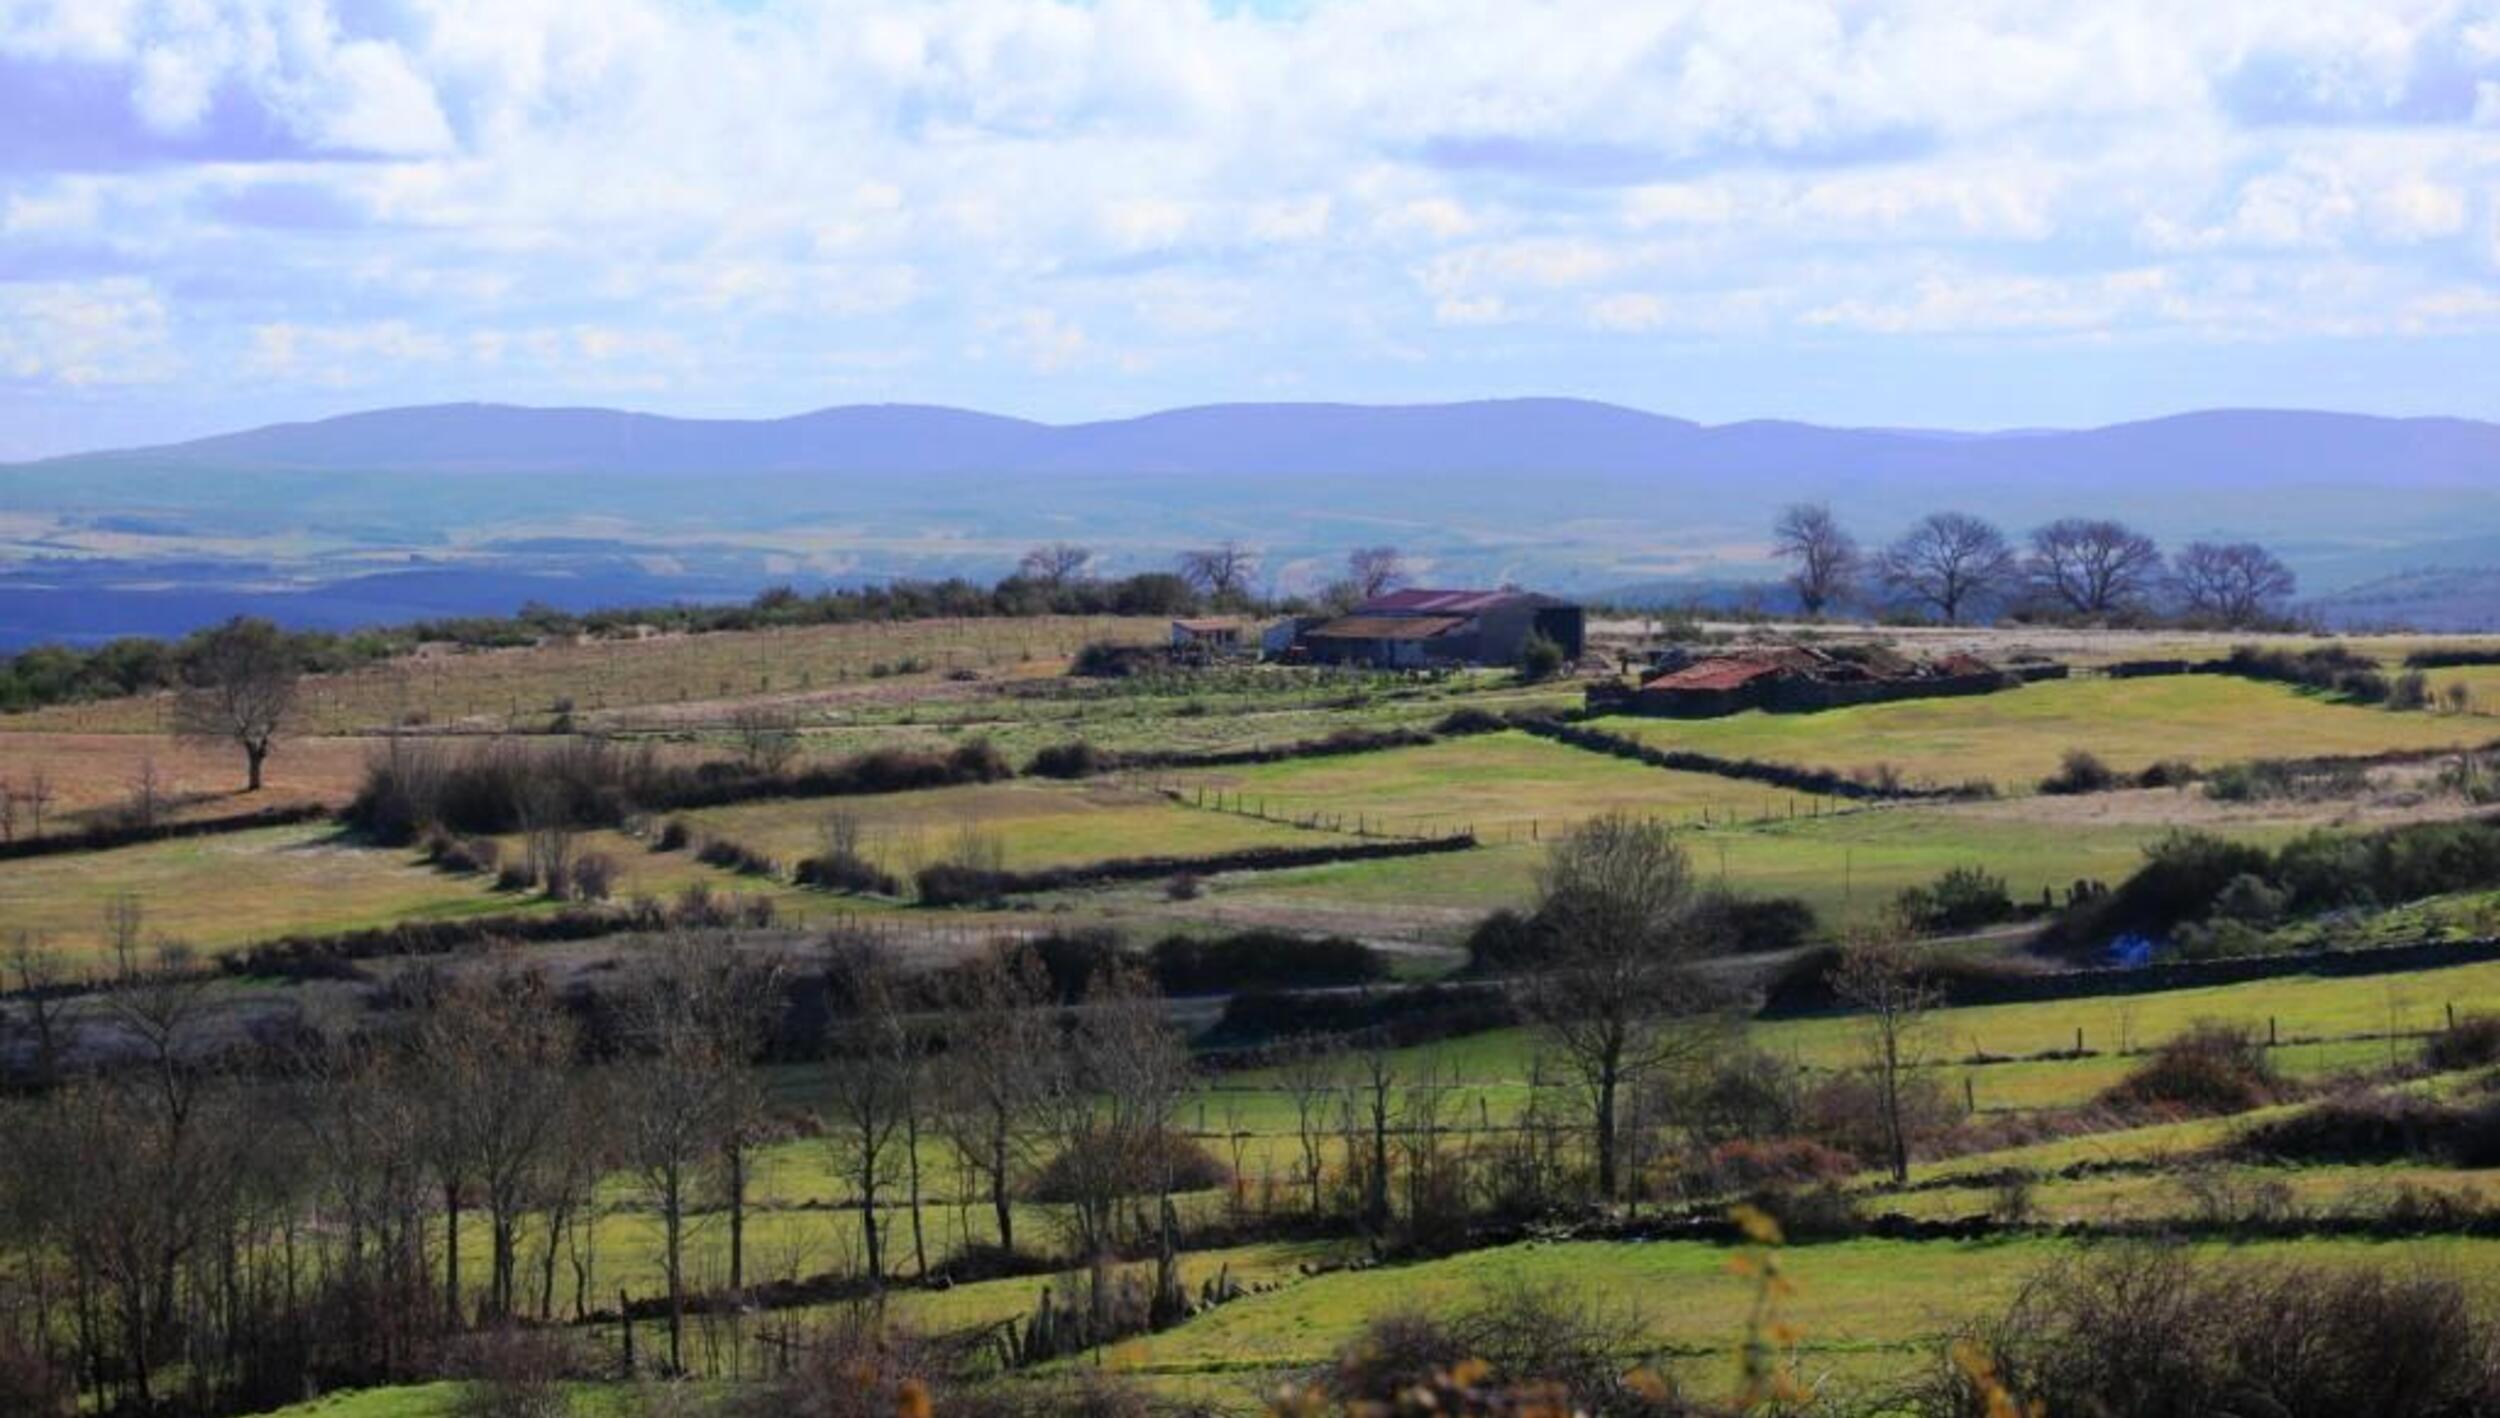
(583, 505)
(2218, 448)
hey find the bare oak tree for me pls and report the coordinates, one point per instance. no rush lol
(1221, 571)
(1948, 561)
(2237, 583)
(1620, 1000)
(1825, 556)
(2092, 564)
(873, 1079)
(1055, 564)
(241, 686)
(1374, 571)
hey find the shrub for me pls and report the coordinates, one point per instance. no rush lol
(2379, 1127)
(1183, 886)
(1748, 1165)
(1505, 942)
(1104, 659)
(2473, 1042)
(1076, 759)
(594, 877)
(2080, 772)
(737, 857)
(1752, 925)
(676, 835)
(1963, 899)
(2211, 1068)
(1188, 1167)
(2161, 1331)
(846, 872)
(1469, 719)
(2182, 874)
(1540, 658)
(2410, 690)
(1532, 1339)
(1261, 959)
(2167, 773)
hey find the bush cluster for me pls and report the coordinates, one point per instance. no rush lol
(1261, 959)
(956, 884)
(2211, 1068)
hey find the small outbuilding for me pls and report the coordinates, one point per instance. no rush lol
(1208, 636)
(1416, 628)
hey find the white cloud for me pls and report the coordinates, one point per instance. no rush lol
(1628, 311)
(1046, 342)
(85, 333)
(1361, 179)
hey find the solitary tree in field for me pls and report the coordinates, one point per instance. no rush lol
(1882, 978)
(1374, 571)
(1824, 557)
(2093, 565)
(1948, 561)
(1055, 564)
(2238, 583)
(1221, 571)
(1620, 1000)
(241, 683)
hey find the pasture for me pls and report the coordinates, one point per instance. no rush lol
(1026, 824)
(1505, 786)
(216, 893)
(2015, 738)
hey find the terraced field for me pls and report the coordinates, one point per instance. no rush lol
(1505, 786)
(1030, 823)
(2016, 737)
(214, 893)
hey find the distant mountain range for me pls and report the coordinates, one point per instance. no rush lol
(460, 508)
(2229, 447)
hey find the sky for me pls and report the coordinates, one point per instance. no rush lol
(218, 213)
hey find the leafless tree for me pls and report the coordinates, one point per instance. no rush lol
(1948, 561)
(1108, 1117)
(242, 682)
(48, 1023)
(1882, 978)
(550, 839)
(1309, 1074)
(147, 793)
(1002, 1045)
(1374, 571)
(503, 1047)
(1824, 555)
(2093, 565)
(872, 1076)
(8, 811)
(1221, 571)
(767, 736)
(1055, 564)
(1620, 1001)
(2237, 583)
(684, 1088)
(36, 796)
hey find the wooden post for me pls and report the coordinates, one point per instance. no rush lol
(1970, 1097)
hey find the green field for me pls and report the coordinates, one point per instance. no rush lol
(1031, 823)
(1846, 866)
(2015, 738)
(1502, 785)
(218, 892)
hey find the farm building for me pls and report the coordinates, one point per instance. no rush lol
(1415, 628)
(1797, 679)
(1207, 637)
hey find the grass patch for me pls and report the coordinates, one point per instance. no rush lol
(2017, 737)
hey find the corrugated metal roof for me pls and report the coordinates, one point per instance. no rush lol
(1206, 627)
(1419, 601)
(1393, 627)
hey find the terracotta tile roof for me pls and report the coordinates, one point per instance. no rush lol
(1727, 672)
